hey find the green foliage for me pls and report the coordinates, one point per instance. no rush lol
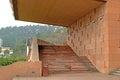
(19, 50)
(0, 50)
(58, 36)
(6, 52)
(13, 35)
(10, 60)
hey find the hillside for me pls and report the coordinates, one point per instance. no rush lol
(15, 37)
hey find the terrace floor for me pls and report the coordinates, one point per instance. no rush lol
(75, 76)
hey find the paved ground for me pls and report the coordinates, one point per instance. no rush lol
(78, 76)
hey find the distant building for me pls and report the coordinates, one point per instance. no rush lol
(11, 52)
(1, 42)
(3, 49)
(1, 54)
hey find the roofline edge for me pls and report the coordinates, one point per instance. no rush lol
(14, 8)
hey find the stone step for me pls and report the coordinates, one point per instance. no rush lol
(117, 74)
(118, 71)
(63, 59)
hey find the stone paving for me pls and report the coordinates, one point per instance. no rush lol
(76, 76)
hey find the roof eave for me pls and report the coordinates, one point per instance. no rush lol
(14, 8)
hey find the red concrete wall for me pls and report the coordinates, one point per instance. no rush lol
(18, 69)
(89, 36)
(113, 13)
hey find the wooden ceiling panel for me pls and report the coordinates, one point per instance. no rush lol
(55, 12)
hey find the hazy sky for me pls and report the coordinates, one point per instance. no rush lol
(6, 15)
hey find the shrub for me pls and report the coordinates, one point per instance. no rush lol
(10, 60)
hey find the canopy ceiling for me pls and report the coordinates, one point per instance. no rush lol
(55, 12)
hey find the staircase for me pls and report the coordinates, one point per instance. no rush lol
(61, 59)
(116, 72)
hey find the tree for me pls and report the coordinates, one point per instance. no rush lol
(19, 49)
(6, 52)
(0, 49)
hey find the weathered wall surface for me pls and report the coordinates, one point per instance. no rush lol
(89, 36)
(33, 55)
(17, 69)
(113, 12)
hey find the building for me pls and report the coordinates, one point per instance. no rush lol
(93, 29)
(1, 42)
(3, 49)
(11, 52)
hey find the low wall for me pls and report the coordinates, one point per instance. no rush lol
(28, 69)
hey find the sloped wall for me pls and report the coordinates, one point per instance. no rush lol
(89, 36)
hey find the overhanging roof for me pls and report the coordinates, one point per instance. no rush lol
(55, 12)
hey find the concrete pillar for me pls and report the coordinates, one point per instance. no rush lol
(34, 55)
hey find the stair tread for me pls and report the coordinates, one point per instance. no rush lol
(62, 58)
(116, 74)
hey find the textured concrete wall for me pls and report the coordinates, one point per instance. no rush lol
(17, 69)
(34, 56)
(113, 13)
(89, 36)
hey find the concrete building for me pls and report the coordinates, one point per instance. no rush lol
(93, 26)
(3, 49)
(1, 42)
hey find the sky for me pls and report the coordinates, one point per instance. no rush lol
(6, 16)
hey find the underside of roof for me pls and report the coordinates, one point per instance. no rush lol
(54, 12)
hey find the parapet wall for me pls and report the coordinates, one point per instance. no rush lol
(20, 69)
(89, 35)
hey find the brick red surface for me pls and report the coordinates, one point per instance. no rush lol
(113, 13)
(88, 37)
(20, 69)
(45, 71)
